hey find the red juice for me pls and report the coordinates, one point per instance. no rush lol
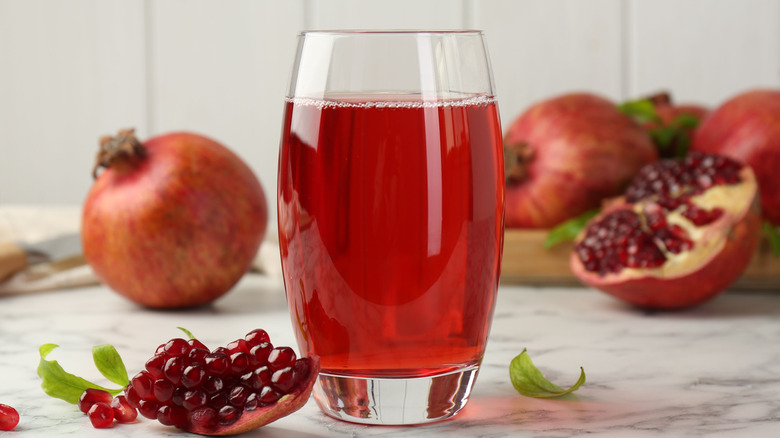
(391, 231)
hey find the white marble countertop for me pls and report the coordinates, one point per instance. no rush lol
(711, 371)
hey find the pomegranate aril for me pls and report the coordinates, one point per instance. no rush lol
(213, 385)
(268, 396)
(257, 337)
(281, 357)
(259, 353)
(176, 347)
(205, 417)
(123, 412)
(283, 380)
(101, 415)
(170, 415)
(193, 375)
(252, 402)
(194, 399)
(9, 417)
(237, 346)
(162, 390)
(194, 343)
(173, 370)
(197, 355)
(218, 401)
(239, 363)
(132, 396)
(238, 396)
(142, 383)
(155, 365)
(148, 408)
(228, 415)
(700, 216)
(217, 364)
(90, 396)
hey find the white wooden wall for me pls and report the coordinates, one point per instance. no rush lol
(72, 70)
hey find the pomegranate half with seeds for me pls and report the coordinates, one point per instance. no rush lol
(226, 391)
(683, 232)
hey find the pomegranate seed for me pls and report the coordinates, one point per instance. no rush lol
(197, 355)
(173, 370)
(238, 396)
(148, 408)
(252, 402)
(204, 417)
(9, 417)
(228, 415)
(268, 396)
(217, 364)
(193, 375)
(176, 347)
(260, 352)
(155, 365)
(123, 412)
(237, 346)
(101, 415)
(194, 343)
(132, 396)
(194, 399)
(283, 380)
(142, 383)
(213, 385)
(90, 396)
(172, 416)
(257, 337)
(239, 363)
(281, 357)
(162, 390)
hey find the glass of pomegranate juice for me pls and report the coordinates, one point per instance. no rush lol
(390, 205)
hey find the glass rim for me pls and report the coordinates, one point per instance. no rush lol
(388, 32)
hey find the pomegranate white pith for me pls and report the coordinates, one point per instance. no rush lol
(713, 254)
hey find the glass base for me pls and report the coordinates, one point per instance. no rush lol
(394, 401)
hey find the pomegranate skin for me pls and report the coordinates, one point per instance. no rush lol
(177, 227)
(565, 155)
(747, 128)
(701, 284)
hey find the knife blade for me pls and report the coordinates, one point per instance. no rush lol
(15, 256)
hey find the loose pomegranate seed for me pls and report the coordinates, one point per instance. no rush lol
(123, 412)
(101, 415)
(9, 417)
(91, 396)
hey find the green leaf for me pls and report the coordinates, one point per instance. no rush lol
(58, 383)
(186, 332)
(685, 121)
(641, 110)
(530, 382)
(568, 230)
(772, 235)
(110, 364)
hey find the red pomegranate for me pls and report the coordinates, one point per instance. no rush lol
(683, 232)
(173, 222)
(747, 128)
(565, 155)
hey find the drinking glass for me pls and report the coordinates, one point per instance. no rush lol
(390, 205)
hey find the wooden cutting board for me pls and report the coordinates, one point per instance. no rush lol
(527, 262)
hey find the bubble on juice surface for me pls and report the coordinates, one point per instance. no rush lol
(391, 101)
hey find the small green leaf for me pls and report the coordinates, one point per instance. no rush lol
(568, 230)
(187, 332)
(641, 110)
(60, 384)
(685, 121)
(530, 382)
(772, 235)
(110, 364)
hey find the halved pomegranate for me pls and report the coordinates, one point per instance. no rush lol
(683, 232)
(226, 391)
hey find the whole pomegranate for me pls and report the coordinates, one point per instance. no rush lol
(685, 230)
(565, 155)
(172, 222)
(747, 128)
